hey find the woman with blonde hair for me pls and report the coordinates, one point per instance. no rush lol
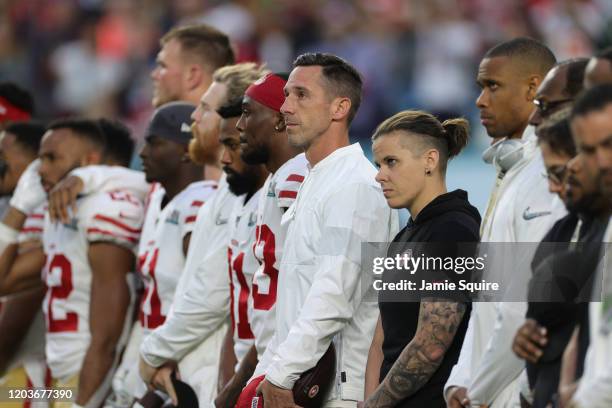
(417, 342)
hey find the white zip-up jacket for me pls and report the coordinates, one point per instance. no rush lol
(338, 207)
(521, 210)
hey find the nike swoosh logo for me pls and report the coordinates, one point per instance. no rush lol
(185, 127)
(530, 216)
(220, 221)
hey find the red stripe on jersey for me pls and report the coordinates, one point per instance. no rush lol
(287, 194)
(37, 216)
(295, 177)
(117, 223)
(31, 229)
(189, 219)
(111, 234)
(197, 203)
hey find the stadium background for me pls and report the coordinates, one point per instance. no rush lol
(93, 57)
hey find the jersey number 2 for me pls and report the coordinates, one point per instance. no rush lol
(60, 264)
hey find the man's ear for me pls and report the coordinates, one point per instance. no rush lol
(280, 123)
(92, 157)
(340, 108)
(185, 158)
(533, 83)
(194, 74)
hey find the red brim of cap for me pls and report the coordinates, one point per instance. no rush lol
(248, 397)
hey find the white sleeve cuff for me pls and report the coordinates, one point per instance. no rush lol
(275, 377)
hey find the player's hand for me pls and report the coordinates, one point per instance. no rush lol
(457, 397)
(275, 397)
(147, 372)
(28, 193)
(162, 380)
(529, 341)
(62, 197)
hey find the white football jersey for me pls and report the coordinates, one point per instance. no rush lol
(160, 255)
(277, 194)
(242, 267)
(114, 217)
(194, 330)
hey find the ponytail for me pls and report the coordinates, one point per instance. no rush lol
(456, 133)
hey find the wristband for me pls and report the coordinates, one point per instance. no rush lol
(7, 234)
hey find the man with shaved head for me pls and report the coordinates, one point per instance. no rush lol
(509, 75)
(519, 210)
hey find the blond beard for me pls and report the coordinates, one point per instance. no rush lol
(196, 152)
(205, 154)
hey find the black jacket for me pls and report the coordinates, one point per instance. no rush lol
(559, 290)
(448, 218)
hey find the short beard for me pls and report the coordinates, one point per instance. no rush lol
(255, 156)
(238, 183)
(586, 204)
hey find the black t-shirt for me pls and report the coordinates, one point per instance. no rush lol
(448, 218)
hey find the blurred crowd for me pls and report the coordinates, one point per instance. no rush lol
(94, 57)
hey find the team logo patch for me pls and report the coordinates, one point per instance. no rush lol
(73, 224)
(271, 189)
(173, 218)
(185, 128)
(313, 391)
(531, 215)
(252, 219)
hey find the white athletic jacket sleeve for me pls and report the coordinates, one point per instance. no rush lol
(499, 366)
(350, 214)
(461, 372)
(109, 178)
(201, 305)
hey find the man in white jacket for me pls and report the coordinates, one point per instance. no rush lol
(519, 210)
(338, 207)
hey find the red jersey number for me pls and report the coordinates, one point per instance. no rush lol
(61, 265)
(265, 301)
(150, 307)
(242, 324)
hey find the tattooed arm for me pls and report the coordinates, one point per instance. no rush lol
(438, 323)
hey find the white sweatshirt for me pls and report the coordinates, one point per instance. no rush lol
(339, 206)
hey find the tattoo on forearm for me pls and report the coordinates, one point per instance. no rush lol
(438, 323)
